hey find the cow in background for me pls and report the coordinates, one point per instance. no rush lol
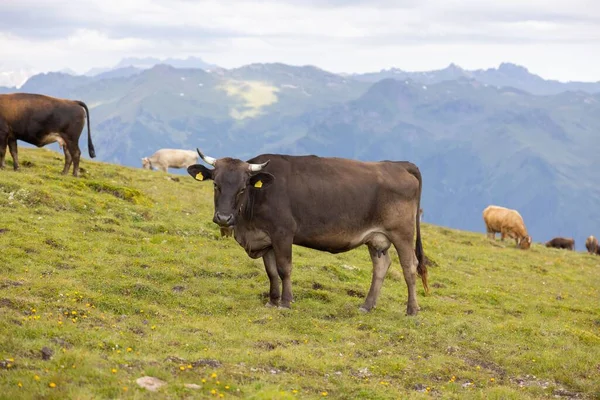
(591, 244)
(272, 202)
(507, 222)
(41, 120)
(164, 159)
(561, 243)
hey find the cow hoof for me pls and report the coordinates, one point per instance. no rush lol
(411, 312)
(364, 309)
(270, 305)
(284, 308)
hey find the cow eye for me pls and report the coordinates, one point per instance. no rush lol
(216, 186)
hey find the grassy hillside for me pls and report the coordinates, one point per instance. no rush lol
(121, 274)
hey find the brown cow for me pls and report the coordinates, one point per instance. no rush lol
(509, 223)
(561, 243)
(41, 120)
(591, 244)
(331, 204)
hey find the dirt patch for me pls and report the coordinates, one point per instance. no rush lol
(261, 344)
(7, 303)
(54, 244)
(487, 365)
(533, 381)
(8, 283)
(355, 293)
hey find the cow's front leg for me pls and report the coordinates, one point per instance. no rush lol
(3, 143)
(283, 257)
(271, 268)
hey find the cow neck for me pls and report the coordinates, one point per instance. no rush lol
(247, 209)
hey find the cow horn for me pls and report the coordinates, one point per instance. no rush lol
(207, 159)
(257, 167)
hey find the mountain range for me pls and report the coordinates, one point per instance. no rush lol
(499, 136)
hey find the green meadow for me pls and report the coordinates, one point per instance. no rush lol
(121, 274)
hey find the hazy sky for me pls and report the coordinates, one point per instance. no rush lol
(556, 39)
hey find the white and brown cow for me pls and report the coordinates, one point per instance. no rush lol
(164, 159)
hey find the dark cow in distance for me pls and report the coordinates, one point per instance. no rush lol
(331, 204)
(41, 120)
(561, 243)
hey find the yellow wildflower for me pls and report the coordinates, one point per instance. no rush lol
(213, 375)
(324, 394)
(182, 368)
(129, 349)
(114, 370)
(37, 378)
(19, 384)
(52, 385)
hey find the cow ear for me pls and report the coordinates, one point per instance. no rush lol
(261, 180)
(199, 172)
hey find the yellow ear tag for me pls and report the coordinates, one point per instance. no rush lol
(258, 184)
(199, 176)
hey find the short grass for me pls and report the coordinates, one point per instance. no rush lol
(121, 274)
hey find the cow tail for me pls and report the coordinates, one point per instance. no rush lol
(422, 265)
(90, 144)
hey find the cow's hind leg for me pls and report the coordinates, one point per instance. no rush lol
(68, 158)
(409, 263)
(381, 263)
(73, 148)
(271, 268)
(12, 145)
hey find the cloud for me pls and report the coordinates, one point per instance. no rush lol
(334, 34)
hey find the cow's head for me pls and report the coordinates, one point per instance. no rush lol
(525, 242)
(146, 164)
(234, 181)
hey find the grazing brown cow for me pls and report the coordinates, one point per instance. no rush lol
(41, 120)
(331, 204)
(561, 243)
(591, 244)
(509, 223)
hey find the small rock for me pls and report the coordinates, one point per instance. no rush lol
(192, 386)
(47, 353)
(178, 289)
(150, 383)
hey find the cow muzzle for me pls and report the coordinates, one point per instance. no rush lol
(223, 220)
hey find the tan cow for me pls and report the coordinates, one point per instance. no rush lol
(164, 159)
(509, 223)
(591, 244)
